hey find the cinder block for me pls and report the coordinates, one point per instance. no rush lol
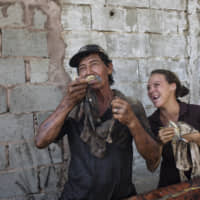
(3, 100)
(55, 152)
(130, 3)
(169, 4)
(21, 182)
(50, 178)
(83, 1)
(179, 66)
(168, 45)
(70, 70)
(4, 161)
(128, 45)
(39, 70)
(148, 105)
(39, 19)
(13, 15)
(16, 127)
(12, 71)
(76, 17)
(193, 82)
(141, 174)
(125, 70)
(53, 195)
(74, 40)
(132, 20)
(29, 98)
(42, 116)
(132, 90)
(17, 42)
(109, 18)
(175, 22)
(28, 155)
(160, 21)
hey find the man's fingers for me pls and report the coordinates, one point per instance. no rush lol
(119, 106)
(77, 87)
(76, 90)
(78, 93)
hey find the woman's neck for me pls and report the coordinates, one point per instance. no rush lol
(170, 112)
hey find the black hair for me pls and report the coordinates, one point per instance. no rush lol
(106, 60)
(171, 77)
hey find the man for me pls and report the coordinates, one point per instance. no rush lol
(100, 124)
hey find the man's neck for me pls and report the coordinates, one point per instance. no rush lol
(104, 99)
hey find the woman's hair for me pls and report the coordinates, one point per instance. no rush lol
(171, 77)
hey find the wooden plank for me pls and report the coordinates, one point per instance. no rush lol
(183, 191)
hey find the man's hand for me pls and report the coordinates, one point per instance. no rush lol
(76, 91)
(166, 134)
(122, 111)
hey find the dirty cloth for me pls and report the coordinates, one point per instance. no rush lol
(95, 134)
(169, 174)
(187, 156)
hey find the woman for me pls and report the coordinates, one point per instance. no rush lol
(164, 89)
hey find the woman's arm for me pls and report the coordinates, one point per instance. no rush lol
(193, 137)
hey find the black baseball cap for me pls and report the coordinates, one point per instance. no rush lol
(85, 51)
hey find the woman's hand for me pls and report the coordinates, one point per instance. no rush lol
(192, 137)
(166, 134)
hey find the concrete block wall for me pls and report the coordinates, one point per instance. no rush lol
(37, 38)
(32, 80)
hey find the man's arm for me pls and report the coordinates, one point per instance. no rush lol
(146, 145)
(50, 128)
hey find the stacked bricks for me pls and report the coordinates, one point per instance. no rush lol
(30, 91)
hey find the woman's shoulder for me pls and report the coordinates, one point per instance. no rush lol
(190, 106)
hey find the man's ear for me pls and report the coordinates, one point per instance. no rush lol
(110, 68)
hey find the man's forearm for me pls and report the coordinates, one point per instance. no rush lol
(50, 128)
(146, 145)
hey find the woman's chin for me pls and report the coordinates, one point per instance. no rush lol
(157, 104)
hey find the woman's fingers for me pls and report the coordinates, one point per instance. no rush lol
(166, 134)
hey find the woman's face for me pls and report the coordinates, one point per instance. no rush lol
(160, 91)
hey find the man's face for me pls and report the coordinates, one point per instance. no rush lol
(93, 65)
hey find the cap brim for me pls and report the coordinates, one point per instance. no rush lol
(75, 60)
